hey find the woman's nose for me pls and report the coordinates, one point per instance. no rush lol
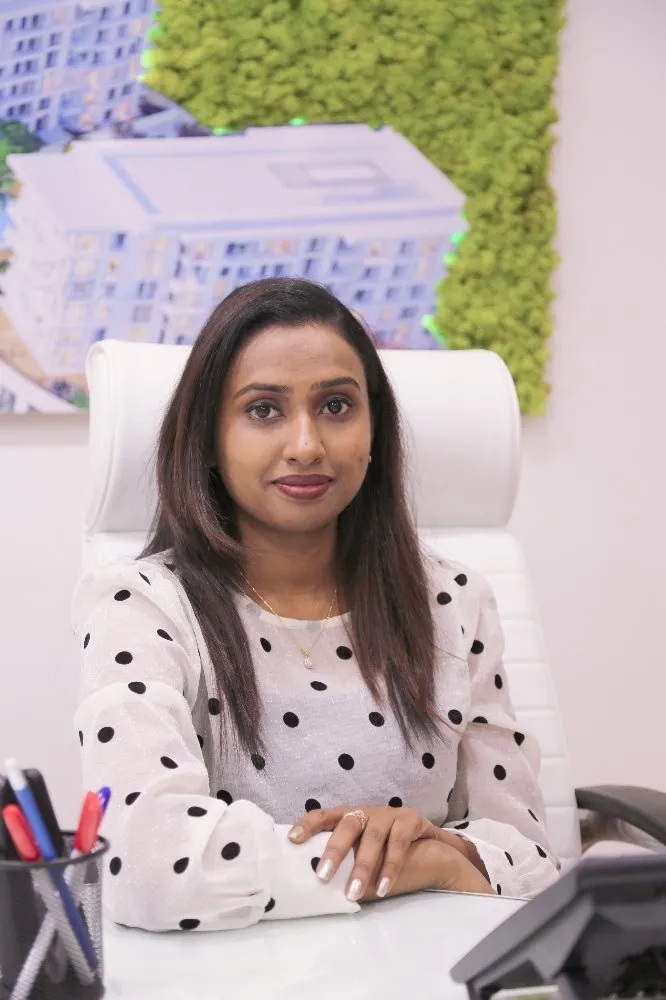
(304, 443)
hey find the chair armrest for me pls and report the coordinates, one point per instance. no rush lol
(643, 808)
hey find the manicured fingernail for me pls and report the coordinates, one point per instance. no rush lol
(325, 870)
(354, 890)
(296, 832)
(383, 887)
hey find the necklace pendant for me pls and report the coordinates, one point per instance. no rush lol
(307, 660)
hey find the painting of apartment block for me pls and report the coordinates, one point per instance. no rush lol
(139, 239)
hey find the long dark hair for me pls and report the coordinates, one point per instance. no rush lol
(378, 558)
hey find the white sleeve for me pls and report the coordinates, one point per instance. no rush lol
(496, 799)
(178, 858)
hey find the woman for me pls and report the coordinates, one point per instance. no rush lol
(295, 708)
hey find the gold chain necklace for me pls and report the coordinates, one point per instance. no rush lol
(305, 653)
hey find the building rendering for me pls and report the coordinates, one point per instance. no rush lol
(141, 239)
(19, 394)
(71, 64)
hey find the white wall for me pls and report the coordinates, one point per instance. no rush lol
(42, 485)
(592, 507)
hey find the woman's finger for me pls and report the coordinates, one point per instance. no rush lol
(340, 843)
(401, 837)
(314, 822)
(369, 855)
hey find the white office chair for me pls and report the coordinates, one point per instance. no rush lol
(463, 428)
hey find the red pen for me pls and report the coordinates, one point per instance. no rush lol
(89, 823)
(21, 834)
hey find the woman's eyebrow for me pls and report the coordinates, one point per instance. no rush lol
(329, 383)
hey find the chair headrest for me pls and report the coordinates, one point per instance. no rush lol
(460, 410)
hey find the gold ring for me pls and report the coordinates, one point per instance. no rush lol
(360, 816)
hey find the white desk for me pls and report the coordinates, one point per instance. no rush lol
(400, 948)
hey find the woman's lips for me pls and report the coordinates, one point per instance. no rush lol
(303, 487)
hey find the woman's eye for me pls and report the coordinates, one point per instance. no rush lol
(336, 407)
(261, 411)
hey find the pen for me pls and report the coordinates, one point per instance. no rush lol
(104, 797)
(85, 837)
(26, 800)
(28, 851)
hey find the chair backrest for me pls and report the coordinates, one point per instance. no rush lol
(463, 432)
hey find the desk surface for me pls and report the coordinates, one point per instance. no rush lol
(397, 948)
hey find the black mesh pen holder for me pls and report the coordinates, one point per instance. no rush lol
(51, 927)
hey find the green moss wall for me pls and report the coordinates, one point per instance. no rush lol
(467, 81)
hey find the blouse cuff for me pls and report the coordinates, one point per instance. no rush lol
(295, 889)
(513, 870)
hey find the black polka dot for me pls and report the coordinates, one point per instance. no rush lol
(312, 804)
(345, 761)
(201, 741)
(132, 797)
(180, 865)
(477, 646)
(258, 761)
(455, 716)
(344, 652)
(163, 634)
(189, 924)
(461, 826)
(196, 811)
(314, 862)
(499, 889)
(225, 796)
(168, 762)
(519, 738)
(138, 687)
(377, 719)
(499, 772)
(170, 566)
(533, 815)
(265, 645)
(231, 851)
(461, 579)
(214, 706)
(499, 683)
(86, 640)
(462, 629)
(443, 598)
(106, 734)
(428, 760)
(124, 657)
(290, 719)
(81, 737)
(449, 796)
(480, 719)
(115, 864)
(121, 595)
(144, 577)
(541, 852)
(508, 858)
(318, 685)
(269, 906)
(466, 814)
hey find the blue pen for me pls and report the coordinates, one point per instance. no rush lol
(27, 802)
(104, 794)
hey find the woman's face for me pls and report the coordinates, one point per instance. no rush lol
(294, 428)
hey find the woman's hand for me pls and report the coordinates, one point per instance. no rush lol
(381, 838)
(436, 864)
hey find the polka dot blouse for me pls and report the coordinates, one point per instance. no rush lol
(199, 829)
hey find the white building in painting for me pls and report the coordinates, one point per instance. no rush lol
(71, 63)
(19, 394)
(140, 239)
